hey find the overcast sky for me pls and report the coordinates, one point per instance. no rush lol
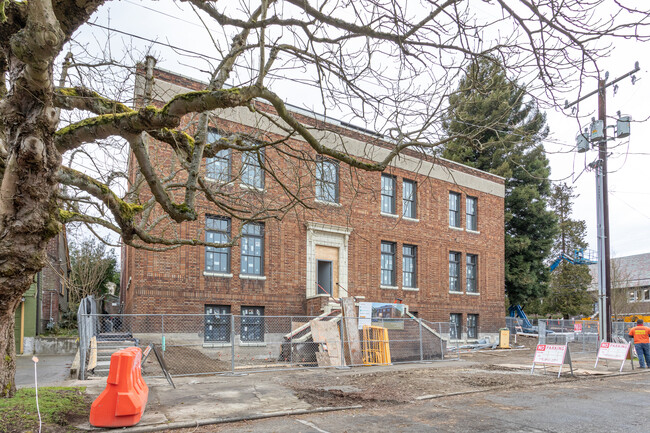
(629, 195)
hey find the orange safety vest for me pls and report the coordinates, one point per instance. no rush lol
(641, 334)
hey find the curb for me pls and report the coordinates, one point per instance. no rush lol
(209, 421)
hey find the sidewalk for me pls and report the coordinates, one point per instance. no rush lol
(52, 370)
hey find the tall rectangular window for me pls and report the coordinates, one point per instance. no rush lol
(252, 324)
(327, 181)
(252, 249)
(455, 330)
(454, 209)
(472, 325)
(409, 195)
(387, 263)
(471, 220)
(388, 194)
(217, 323)
(217, 230)
(218, 167)
(409, 266)
(252, 173)
(454, 272)
(470, 271)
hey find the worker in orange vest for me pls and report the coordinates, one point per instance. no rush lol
(641, 336)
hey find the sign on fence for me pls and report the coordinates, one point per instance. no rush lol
(614, 351)
(577, 327)
(552, 354)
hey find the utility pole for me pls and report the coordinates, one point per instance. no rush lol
(604, 268)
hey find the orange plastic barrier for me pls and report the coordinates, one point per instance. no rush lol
(123, 401)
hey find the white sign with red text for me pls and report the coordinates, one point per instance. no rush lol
(550, 354)
(577, 327)
(615, 351)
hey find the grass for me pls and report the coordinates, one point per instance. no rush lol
(58, 406)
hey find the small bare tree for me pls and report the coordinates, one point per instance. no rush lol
(91, 265)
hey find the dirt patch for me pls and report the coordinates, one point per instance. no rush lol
(184, 360)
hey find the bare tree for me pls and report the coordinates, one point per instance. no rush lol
(386, 63)
(90, 265)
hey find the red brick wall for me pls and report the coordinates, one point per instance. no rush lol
(173, 281)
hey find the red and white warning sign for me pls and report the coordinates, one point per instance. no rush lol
(577, 327)
(552, 354)
(615, 351)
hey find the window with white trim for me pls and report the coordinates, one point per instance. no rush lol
(471, 219)
(252, 324)
(472, 325)
(454, 209)
(217, 230)
(454, 271)
(218, 166)
(327, 180)
(409, 266)
(252, 249)
(387, 263)
(388, 194)
(455, 327)
(471, 265)
(252, 173)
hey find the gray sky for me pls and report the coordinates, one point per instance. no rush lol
(629, 196)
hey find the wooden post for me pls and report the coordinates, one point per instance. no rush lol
(352, 330)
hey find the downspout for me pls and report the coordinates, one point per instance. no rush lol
(38, 303)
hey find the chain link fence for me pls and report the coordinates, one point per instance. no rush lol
(579, 335)
(194, 344)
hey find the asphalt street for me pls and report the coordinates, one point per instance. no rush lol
(613, 404)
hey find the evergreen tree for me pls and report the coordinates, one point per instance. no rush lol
(569, 282)
(500, 130)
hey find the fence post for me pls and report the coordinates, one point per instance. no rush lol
(342, 340)
(442, 344)
(162, 334)
(83, 344)
(291, 342)
(232, 343)
(421, 352)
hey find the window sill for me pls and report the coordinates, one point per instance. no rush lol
(390, 215)
(251, 187)
(411, 289)
(217, 345)
(381, 286)
(216, 274)
(457, 228)
(252, 344)
(474, 232)
(252, 277)
(413, 220)
(327, 203)
(219, 181)
(456, 293)
(473, 293)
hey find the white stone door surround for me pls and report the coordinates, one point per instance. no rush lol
(330, 236)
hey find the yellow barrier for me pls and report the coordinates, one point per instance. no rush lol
(375, 348)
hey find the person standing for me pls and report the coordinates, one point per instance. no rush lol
(641, 336)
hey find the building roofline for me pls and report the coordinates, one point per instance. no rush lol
(346, 125)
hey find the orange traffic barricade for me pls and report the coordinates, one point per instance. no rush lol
(123, 401)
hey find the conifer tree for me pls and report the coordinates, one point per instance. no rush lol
(569, 282)
(502, 132)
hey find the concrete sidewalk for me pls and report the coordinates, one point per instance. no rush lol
(51, 369)
(226, 397)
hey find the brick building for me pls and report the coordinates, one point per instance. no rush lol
(427, 231)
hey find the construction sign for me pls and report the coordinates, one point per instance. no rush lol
(614, 351)
(552, 354)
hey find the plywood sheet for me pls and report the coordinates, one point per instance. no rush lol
(353, 343)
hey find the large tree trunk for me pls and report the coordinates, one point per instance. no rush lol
(28, 206)
(8, 350)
